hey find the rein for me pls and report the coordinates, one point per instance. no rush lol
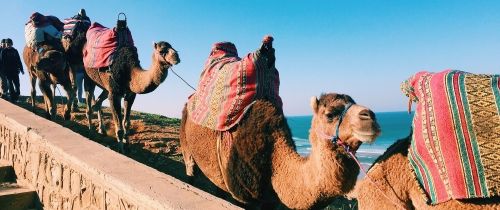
(172, 69)
(336, 140)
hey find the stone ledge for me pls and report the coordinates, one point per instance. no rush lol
(69, 170)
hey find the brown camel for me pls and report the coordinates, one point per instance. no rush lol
(50, 67)
(73, 46)
(259, 164)
(397, 187)
(124, 79)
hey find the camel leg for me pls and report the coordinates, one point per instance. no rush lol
(97, 107)
(33, 91)
(89, 87)
(50, 111)
(72, 79)
(70, 95)
(128, 101)
(186, 154)
(116, 111)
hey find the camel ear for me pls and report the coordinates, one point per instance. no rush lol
(314, 104)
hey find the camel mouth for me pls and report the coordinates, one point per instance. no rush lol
(366, 137)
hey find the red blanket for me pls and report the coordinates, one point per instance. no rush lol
(101, 45)
(455, 148)
(229, 85)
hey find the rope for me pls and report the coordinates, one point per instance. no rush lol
(172, 69)
(398, 204)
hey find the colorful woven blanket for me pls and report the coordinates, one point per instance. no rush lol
(101, 45)
(70, 24)
(455, 148)
(229, 85)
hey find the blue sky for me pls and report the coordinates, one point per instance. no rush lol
(362, 48)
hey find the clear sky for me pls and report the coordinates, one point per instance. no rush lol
(362, 48)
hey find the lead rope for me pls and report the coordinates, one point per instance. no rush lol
(172, 69)
(398, 204)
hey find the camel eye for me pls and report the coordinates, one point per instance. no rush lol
(330, 116)
(164, 51)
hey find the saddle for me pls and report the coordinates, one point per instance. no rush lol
(455, 146)
(72, 24)
(102, 43)
(229, 85)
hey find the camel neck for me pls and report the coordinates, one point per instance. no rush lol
(145, 81)
(304, 179)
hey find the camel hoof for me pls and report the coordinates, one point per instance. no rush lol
(102, 131)
(67, 116)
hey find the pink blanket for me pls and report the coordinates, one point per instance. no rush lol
(101, 45)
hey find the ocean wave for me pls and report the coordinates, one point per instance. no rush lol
(371, 151)
(299, 139)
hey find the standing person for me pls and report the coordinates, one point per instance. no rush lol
(3, 80)
(12, 66)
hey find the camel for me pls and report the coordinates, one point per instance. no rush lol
(73, 46)
(259, 164)
(392, 175)
(124, 79)
(50, 67)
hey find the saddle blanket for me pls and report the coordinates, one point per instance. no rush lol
(229, 85)
(455, 148)
(102, 43)
(38, 26)
(70, 25)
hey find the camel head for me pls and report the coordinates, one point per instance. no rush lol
(165, 54)
(51, 61)
(357, 123)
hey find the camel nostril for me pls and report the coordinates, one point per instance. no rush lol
(366, 115)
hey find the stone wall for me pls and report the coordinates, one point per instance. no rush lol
(70, 171)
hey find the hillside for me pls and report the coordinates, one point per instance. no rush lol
(154, 141)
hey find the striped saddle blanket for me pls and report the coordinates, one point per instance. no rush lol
(229, 85)
(70, 24)
(102, 43)
(455, 148)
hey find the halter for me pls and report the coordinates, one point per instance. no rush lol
(336, 137)
(336, 140)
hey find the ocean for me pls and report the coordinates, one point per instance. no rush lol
(394, 126)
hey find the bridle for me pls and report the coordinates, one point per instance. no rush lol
(335, 139)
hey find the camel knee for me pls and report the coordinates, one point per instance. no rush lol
(190, 164)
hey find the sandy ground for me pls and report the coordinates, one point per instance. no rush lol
(154, 141)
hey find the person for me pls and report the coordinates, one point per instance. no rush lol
(11, 66)
(3, 80)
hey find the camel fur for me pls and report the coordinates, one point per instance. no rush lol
(73, 47)
(258, 163)
(50, 67)
(392, 174)
(124, 79)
